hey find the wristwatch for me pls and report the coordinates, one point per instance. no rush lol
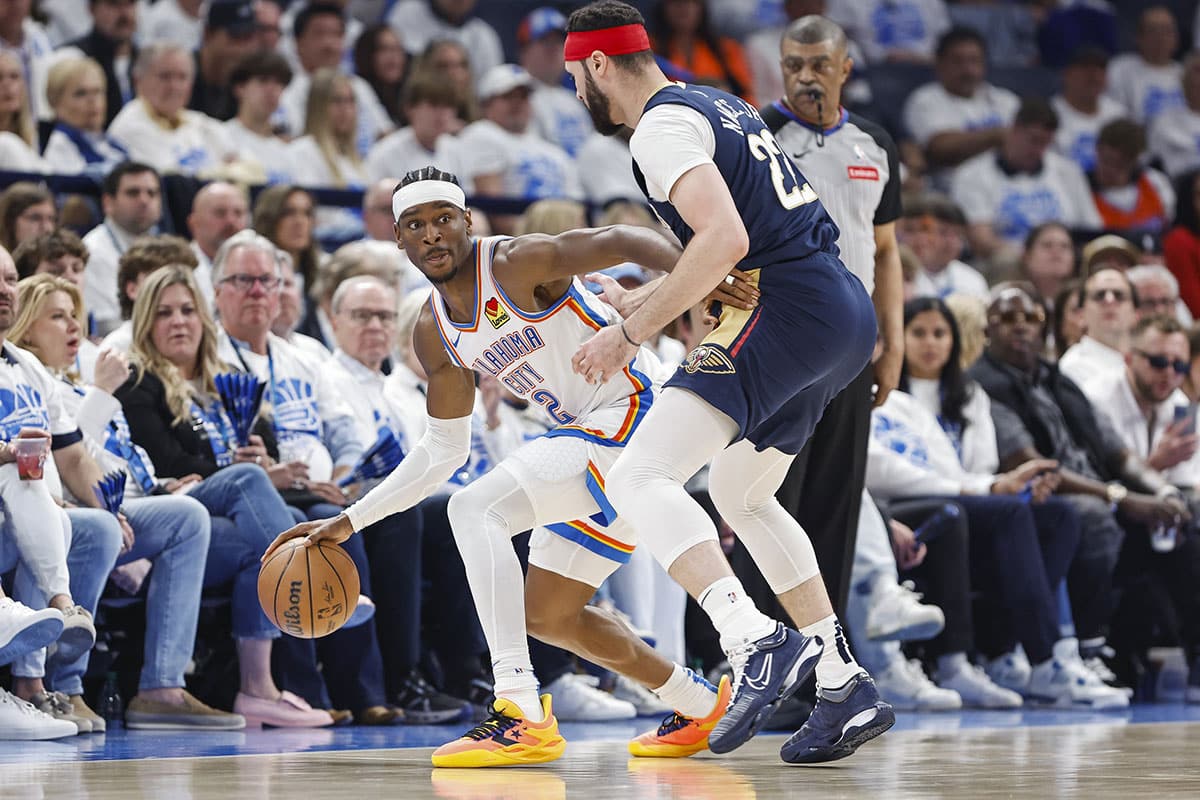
(1115, 493)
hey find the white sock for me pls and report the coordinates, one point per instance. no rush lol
(836, 665)
(734, 614)
(515, 681)
(688, 693)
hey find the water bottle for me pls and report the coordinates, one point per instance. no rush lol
(1164, 539)
(112, 709)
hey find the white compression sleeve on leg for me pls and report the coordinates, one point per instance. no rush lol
(443, 449)
(742, 483)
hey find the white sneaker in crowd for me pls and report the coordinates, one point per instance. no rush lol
(20, 721)
(645, 701)
(1063, 681)
(976, 689)
(1011, 670)
(78, 635)
(905, 685)
(897, 614)
(23, 630)
(576, 699)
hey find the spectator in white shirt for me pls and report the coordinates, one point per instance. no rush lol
(27, 41)
(287, 25)
(1145, 404)
(893, 30)
(219, 210)
(1158, 293)
(1174, 135)
(960, 115)
(430, 103)
(503, 141)
(326, 155)
(1130, 198)
(1146, 83)
(178, 22)
(935, 228)
(1109, 303)
(320, 42)
(258, 82)
(132, 202)
(76, 91)
(157, 127)
(1083, 107)
(17, 135)
(557, 113)
(1008, 192)
(420, 22)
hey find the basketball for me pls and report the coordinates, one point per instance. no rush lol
(308, 592)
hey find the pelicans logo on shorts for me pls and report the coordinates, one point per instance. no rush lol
(709, 358)
(495, 313)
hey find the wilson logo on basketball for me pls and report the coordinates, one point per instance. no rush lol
(862, 173)
(291, 616)
(494, 313)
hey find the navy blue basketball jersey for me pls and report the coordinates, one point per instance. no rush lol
(784, 218)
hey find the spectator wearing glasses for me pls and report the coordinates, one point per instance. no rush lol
(364, 314)
(1158, 293)
(76, 91)
(1156, 422)
(1109, 314)
(1039, 412)
(111, 43)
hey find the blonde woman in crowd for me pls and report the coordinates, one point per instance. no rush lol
(18, 137)
(77, 91)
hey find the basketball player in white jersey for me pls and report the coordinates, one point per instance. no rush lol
(512, 308)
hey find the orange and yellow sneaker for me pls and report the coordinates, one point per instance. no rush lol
(679, 736)
(505, 739)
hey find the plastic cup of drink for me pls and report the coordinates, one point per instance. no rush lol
(31, 457)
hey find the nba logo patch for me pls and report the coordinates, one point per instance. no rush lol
(495, 313)
(710, 359)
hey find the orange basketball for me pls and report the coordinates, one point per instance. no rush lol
(308, 592)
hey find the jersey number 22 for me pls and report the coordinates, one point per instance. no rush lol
(764, 148)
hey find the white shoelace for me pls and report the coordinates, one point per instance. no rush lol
(738, 658)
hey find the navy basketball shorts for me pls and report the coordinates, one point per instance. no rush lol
(774, 369)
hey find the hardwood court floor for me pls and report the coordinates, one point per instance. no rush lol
(1086, 760)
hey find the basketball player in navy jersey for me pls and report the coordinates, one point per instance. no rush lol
(749, 396)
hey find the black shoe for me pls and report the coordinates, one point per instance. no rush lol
(479, 695)
(424, 705)
(1103, 662)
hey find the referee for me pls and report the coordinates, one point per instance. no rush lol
(853, 166)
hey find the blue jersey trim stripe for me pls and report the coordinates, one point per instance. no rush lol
(592, 315)
(437, 323)
(571, 534)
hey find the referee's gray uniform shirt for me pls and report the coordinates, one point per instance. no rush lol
(854, 169)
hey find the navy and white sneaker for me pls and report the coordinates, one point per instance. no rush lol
(765, 673)
(843, 720)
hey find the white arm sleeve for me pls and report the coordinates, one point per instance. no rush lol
(443, 449)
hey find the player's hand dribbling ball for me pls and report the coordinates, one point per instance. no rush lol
(308, 592)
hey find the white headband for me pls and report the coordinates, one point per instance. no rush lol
(430, 191)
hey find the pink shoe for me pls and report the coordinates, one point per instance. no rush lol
(289, 711)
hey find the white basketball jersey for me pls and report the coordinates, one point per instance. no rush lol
(530, 354)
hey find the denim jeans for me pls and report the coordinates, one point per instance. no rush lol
(243, 494)
(172, 532)
(92, 550)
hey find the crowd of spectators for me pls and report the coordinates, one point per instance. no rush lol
(1050, 238)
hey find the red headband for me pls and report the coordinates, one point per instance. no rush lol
(616, 41)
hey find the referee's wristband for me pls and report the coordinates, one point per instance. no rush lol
(625, 333)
